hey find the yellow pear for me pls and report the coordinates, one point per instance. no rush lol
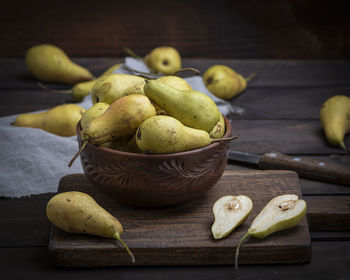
(335, 119)
(78, 213)
(49, 63)
(61, 120)
(111, 87)
(165, 60)
(224, 82)
(92, 113)
(192, 108)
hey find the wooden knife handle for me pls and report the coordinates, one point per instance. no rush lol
(307, 168)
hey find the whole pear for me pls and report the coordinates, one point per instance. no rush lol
(192, 108)
(49, 63)
(165, 134)
(61, 120)
(335, 119)
(224, 82)
(78, 213)
(92, 113)
(280, 213)
(111, 87)
(164, 59)
(121, 119)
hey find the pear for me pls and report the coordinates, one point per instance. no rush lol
(111, 87)
(165, 60)
(61, 120)
(120, 120)
(281, 213)
(229, 212)
(49, 63)
(165, 134)
(219, 129)
(78, 213)
(335, 119)
(224, 82)
(192, 108)
(92, 113)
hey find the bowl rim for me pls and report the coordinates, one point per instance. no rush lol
(143, 155)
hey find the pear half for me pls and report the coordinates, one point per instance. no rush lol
(229, 212)
(281, 213)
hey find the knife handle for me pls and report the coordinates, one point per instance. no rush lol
(307, 168)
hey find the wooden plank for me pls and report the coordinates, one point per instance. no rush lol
(303, 137)
(329, 259)
(165, 236)
(269, 73)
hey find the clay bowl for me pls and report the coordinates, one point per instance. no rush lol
(150, 180)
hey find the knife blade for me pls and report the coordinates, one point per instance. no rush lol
(305, 167)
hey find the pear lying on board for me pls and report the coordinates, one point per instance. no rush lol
(224, 82)
(192, 108)
(282, 212)
(165, 134)
(335, 119)
(120, 120)
(111, 87)
(82, 89)
(77, 212)
(92, 113)
(49, 63)
(229, 212)
(61, 120)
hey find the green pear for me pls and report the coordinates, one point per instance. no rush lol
(335, 119)
(165, 60)
(192, 108)
(229, 212)
(92, 113)
(281, 213)
(78, 213)
(49, 63)
(219, 129)
(111, 87)
(61, 120)
(224, 82)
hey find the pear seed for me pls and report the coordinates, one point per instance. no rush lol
(233, 205)
(287, 205)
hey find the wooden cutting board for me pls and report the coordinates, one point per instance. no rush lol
(182, 235)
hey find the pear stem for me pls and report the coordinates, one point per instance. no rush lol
(237, 249)
(250, 77)
(197, 72)
(77, 154)
(117, 236)
(224, 139)
(131, 53)
(42, 86)
(342, 144)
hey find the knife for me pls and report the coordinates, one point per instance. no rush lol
(305, 167)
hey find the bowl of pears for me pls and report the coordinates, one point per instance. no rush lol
(152, 143)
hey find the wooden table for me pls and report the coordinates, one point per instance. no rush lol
(281, 114)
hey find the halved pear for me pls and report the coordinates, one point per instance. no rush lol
(282, 212)
(229, 212)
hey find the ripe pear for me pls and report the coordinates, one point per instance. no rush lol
(111, 87)
(165, 60)
(49, 63)
(192, 108)
(281, 213)
(229, 212)
(219, 129)
(335, 119)
(224, 82)
(61, 120)
(78, 213)
(92, 113)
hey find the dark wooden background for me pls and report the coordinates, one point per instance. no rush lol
(276, 29)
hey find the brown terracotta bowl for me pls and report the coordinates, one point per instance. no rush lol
(154, 180)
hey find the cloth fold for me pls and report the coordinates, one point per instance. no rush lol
(33, 160)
